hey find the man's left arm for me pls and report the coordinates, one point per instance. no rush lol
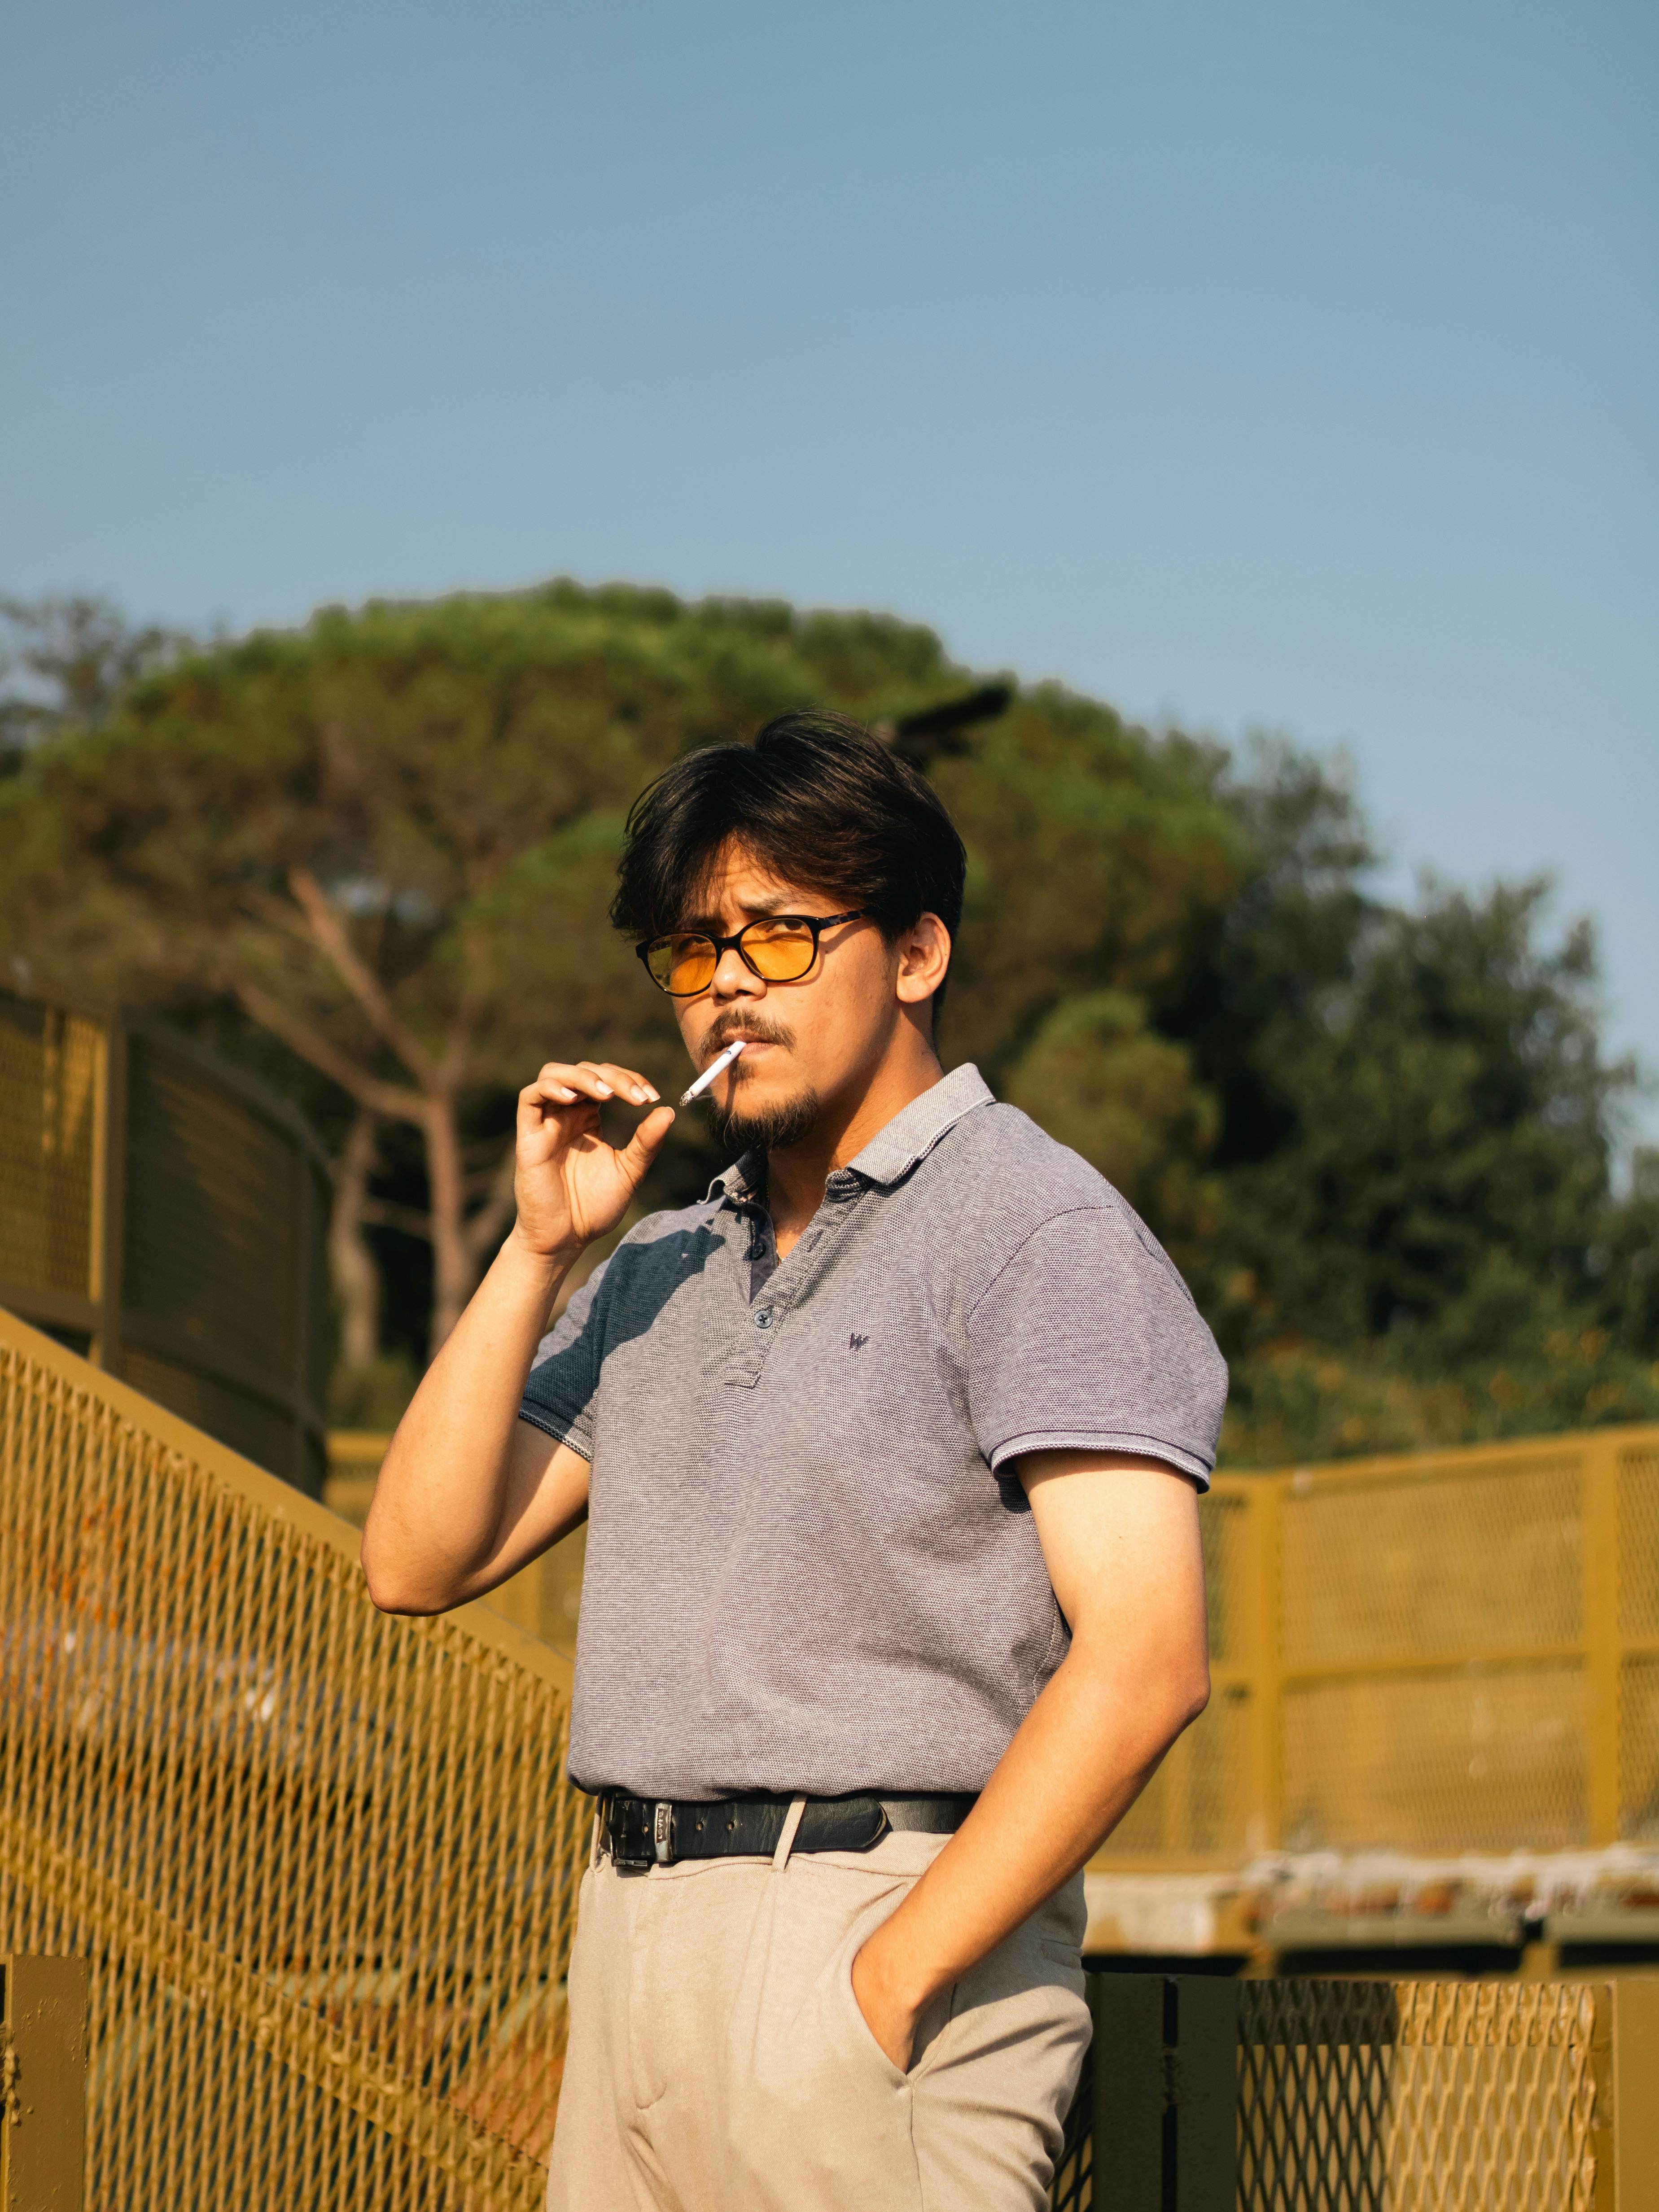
(1120, 1535)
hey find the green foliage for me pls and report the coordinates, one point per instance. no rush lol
(375, 855)
(1098, 1078)
(1299, 1401)
(388, 840)
(1444, 1142)
(1418, 1243)
(75, 656)
(1099, 859)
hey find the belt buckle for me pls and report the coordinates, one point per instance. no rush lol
(639, 1832)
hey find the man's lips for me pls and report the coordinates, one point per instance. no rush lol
(750, 1045)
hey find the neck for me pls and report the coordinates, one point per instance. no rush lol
(795, 1176)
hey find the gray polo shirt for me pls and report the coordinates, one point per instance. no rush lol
(808, 1568)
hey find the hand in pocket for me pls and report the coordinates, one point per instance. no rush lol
(891, 2020)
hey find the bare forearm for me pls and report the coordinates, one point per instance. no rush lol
(443, 1490)
(1084, 1753)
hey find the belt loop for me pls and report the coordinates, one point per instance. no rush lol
(786, 1841)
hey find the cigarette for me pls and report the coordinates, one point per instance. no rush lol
(715, 1067)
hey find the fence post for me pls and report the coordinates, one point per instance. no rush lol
(1166, 2092)
(1265, 1823)
(43, 2085)
(1598, 1526)
(1635, 2072)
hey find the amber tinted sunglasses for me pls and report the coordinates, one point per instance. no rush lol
(778, 948)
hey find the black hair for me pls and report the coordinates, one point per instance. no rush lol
(816, 798)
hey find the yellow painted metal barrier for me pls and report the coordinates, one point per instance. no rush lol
(43, 2084)
(165, 1213)
(1202, 2094)
(323, 1862)
(1441, 1652)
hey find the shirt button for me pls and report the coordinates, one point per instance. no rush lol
(763, 1318)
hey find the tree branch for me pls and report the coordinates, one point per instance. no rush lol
(492, 1217)
(452, 1067)
(357, 1277)
(384, 1214)
(387, 1099)
(333, 940)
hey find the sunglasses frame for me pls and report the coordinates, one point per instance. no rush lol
(818, 923)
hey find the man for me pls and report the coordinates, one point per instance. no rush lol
(890, 1450)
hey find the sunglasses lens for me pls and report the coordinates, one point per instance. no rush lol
(782, 950)
(684, 965)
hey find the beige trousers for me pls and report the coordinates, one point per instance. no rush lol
(718, 2062)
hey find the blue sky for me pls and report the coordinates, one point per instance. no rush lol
(1282, 366)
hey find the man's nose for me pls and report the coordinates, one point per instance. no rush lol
(733, 977)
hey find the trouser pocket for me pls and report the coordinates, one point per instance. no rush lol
(821, 2117)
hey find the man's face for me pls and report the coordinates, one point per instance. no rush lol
(812, 1043)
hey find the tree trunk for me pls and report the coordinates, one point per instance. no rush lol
(357, 1277)
(454, 1268)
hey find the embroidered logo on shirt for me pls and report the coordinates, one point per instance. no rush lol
(856, 1343)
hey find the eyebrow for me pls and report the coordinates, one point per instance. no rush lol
(708, 925)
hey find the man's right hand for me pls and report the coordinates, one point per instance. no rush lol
(568, 1184)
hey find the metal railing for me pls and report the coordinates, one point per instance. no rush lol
(323, 1862)
(164, 1214)
(1205, 2095)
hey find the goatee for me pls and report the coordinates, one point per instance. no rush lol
(766, 1128)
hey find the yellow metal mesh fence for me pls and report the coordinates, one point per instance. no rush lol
(1439, 1762)
(1383, 1569)
(324, 1862)
(1638, 1542)
(1638, 1762)
(49, 1073)
(1447, 1652)
(163, 1213)
(1416, 2096)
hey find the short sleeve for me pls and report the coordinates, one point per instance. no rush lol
(1087, 1340)
(560, 1395)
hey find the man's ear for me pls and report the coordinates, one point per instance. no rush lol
(924, 955)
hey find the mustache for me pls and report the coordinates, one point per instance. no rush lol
(725, 1027)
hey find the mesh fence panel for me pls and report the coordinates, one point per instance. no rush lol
(212, 1213)
(324, 1862)
(1484, 1761)
(48, 1084)
(1451, 1651)
(1223, 1530)
(1638, 1542)
(1639, 1622)
(260, 1432)
(1415, 2097)
(1638, 1758)
(1198, 1802)
(1380, 1570)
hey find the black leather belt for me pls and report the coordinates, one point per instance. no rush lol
(648, 1831)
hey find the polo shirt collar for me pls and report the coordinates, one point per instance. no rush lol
(912, 1134)
(891, 1152)
(744, 1179)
